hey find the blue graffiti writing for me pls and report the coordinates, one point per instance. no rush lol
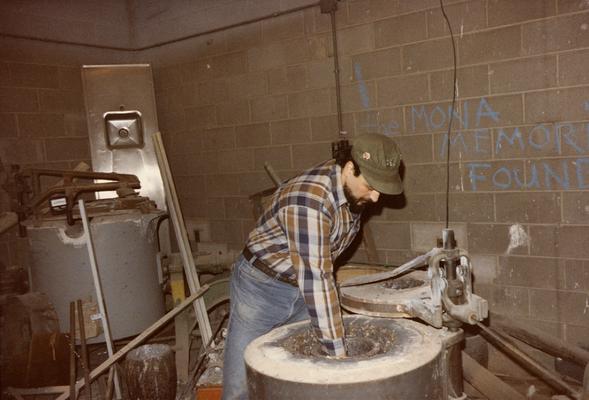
(559, 175)
(437, 117)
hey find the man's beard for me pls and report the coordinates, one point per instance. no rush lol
(356, 206)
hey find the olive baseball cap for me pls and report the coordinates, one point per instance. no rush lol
(379, 159)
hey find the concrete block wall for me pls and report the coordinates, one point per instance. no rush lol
(231, 101)
(519, 171)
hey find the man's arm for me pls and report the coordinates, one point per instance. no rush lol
(307, 232)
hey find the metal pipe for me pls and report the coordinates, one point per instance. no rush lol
(163, 43)
(336, 72)
(98, 288)
(511, 349)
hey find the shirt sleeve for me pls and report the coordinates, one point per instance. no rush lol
(308, 236)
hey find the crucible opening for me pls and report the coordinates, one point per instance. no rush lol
(403, 283)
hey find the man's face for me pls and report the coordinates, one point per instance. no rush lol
(359, 192)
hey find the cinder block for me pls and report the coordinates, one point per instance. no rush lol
(215, 91)
(238, 208)
(388, 121)
(557, 174)
(415, 148)
(167, 77)
(464, 145)
(427, 56)
(246, 86)
(556, 105)
(75, 124)
(506, 12)
(533, 141)
(60, 101)
(475, 10)
(219, 138)
(489, 46)
(510, 300)
(575, 206)
(201, 117)
(555, 34)
(559, 241)
(284, 27)
(278, 54)
(41, 125)
(227, 65)
(360, 11)
(8, 124)
(571, 6)
(187, 142)
(523, 74)
(391, 235)
(577, 335)
(471, 81)
(171, 122)
(559, 306)
(279, 157)
(232, 113)
(21, 150)
(423, 179)
(227, 231)
(253, 135)
(474, 113)
(309, 103)
(355, 40)
(571, 69)
(357, 97)
(466, 207)
(484, 269)
(236, 160)
(409, 207)
(399, 257)
(425, 235)
(67, 149)
(70, 79)
(291, 131)
(400, 30)
(220, 185)
(174, 100)
(402, 90)
(320, 74)
(325, 128)
(377, 64)
(528, 207)
(287, 79)
(497, 239)
(206, 162)
(190, 186)
(576, 275)
(269, 108)
(534, 272)
(34, 76)
(243, 37)
(18, 100)
(197, 70)
(307, 155)
(254, 182)
(5, 74)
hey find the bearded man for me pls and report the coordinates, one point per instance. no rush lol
(285, 272)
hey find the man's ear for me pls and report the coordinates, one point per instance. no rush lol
(349, 168)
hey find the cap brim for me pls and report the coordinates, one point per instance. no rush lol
(389, 184)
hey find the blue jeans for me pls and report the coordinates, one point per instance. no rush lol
(259, 303)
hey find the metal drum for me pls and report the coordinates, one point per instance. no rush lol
(125, 247)
(388, 359)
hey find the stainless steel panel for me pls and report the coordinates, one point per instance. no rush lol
(121, 116)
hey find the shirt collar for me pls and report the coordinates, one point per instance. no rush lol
(338, 192)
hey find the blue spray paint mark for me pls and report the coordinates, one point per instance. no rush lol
(361, 86)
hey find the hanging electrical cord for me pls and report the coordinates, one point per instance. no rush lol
(451, 117)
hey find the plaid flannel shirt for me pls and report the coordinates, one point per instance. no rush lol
(307, 225)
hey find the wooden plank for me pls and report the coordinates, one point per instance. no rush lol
(487, 383)
(200, 309)
(138, 340)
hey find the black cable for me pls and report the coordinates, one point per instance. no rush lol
(451, 117)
